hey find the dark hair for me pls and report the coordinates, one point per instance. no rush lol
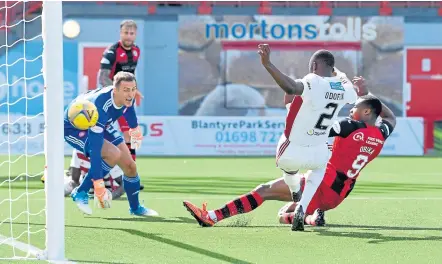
(123, 77)
(373, 103)
(128, 23)
(325, 56)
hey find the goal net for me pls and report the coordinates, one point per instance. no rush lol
(31, 109)
(241, 65)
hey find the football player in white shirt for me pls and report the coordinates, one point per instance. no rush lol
(319, 97)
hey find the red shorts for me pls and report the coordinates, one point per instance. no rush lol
(124, 127)
(325, 198)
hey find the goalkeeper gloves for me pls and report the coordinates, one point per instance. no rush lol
(136, 136)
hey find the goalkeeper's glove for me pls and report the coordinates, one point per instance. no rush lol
(136, 137)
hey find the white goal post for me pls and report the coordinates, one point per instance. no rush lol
(52, 23)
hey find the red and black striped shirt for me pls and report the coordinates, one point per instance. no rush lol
(116, 59)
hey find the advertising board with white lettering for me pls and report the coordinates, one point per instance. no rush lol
(208, 136)
(250, 136)
(202, 136)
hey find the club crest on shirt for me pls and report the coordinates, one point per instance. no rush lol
(358, 136)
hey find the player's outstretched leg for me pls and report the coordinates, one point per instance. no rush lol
(131, 183)
(110, 155)
(274, 190)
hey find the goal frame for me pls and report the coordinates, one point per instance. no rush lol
(52, 33)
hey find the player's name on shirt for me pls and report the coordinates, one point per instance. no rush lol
(334, 96)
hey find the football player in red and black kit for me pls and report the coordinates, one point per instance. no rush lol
(358, 140)
(121, 56)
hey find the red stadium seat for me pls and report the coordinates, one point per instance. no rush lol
(204, 8)
(385, 9)
(264, 8)
(385, 5)
(151, 9)
(324, 9)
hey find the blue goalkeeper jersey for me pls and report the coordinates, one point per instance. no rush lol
(108, 113)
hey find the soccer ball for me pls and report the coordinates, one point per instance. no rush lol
(83, 114)
(107, 201)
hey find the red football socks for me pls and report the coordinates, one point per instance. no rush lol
(241, 205)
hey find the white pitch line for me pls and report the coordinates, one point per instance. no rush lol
(33, 251)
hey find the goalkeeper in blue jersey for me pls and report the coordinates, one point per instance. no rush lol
(104, 145)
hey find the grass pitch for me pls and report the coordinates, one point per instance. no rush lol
(393, 216)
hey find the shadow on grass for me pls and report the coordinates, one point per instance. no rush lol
(99, 262)
(399, 228)
(185, 246)
(151, 219)
(373, 238)
(160, 239)
(218, 185)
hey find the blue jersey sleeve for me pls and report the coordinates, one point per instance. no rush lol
(96, 141)
(131, 117)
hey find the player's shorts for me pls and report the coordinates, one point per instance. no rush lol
(331, 192)
(124, 127)
(325, 199)
(291, 157)
(78, 139)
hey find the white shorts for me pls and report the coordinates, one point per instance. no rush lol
(75, 161)
(291, 158)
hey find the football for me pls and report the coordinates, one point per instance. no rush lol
(83, 114)
(107, 201)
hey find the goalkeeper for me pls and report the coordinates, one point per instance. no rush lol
(104, 145)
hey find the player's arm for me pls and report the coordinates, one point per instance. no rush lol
(136, 135)
(131, 117)
(388, 122)
(107, 62)
(345, 127)
(289, 85)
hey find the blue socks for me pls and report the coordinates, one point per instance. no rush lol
(132, 189)
(87, 183)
